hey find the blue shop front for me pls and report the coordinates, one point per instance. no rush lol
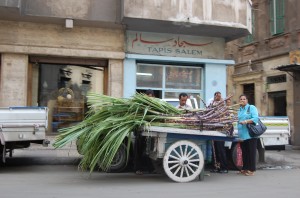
(170, 64)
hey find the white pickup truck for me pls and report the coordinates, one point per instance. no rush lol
(21, 126)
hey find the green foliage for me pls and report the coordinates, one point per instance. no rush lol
(108, 122)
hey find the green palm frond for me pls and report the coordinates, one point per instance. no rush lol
(108, 123)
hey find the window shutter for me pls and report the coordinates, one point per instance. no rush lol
(276, 16)
(279, 16)
(272, 19)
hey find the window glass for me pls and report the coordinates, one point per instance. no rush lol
(63, 90)
(149, 76)
(183, 77)
(168, 81)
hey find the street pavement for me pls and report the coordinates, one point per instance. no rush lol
(53, 173)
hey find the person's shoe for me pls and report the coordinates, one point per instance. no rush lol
(242, 172)
(223, 171)
(214, 170)
(138, 172)
(249, 173)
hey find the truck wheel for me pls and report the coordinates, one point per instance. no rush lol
(236, 155)
(119, 162)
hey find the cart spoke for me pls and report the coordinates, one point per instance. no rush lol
(181, 152)
(194, 165)
(176, 153)
(181, 172)
(186, 171)
(190, 152)
(186, 149)
(188, 166)
(172, 167)
(173, 162)
(174, 157)
(190, 157)
(175, 173)
(194, 160)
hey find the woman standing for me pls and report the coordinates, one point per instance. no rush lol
(247, 114)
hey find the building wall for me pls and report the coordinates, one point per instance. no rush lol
(20, 40)
(199, 12)
(51, 39)
(257, 61)
(13, 85)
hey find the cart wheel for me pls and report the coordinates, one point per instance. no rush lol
(183, 161)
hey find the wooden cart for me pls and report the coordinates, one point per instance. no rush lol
(183, 151)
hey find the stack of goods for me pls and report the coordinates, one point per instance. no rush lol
(110, 120)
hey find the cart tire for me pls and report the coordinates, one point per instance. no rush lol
(119, 162)
(183, 161)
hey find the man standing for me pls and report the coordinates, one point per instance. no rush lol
(182, 102)
(219, 152)
(140, 145)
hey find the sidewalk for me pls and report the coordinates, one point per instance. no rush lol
(69, 150)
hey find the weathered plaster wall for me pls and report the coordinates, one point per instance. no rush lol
(104, 10)
(35, 38)
(194, 11)
(115, 73)
(13, 85)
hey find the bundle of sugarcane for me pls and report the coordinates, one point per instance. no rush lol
(110, 120)
(218, 117)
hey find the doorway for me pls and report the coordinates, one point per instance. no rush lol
(277, 103)
(249, 91)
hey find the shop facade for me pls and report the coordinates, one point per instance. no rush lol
(48, 65)
(170, 64)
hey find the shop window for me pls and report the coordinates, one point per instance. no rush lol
(63, 89)
(168, 81)
(183, 77)
(149, 76)
(276, 79)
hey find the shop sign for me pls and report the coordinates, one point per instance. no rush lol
(174, 45)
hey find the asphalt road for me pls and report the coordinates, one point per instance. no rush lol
(49, 181)
(48, 173)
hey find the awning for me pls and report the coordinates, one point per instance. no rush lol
(290, 69)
